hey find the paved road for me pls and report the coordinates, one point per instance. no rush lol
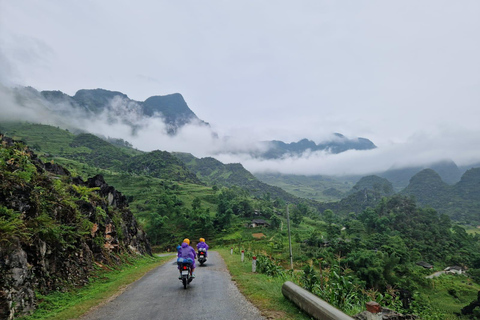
(436, 274)
(160, 295)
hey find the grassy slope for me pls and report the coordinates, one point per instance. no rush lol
(464, 291)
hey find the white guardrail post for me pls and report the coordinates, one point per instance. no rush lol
(231, 251)
(243, 255)
(254, 264)
(311, 304)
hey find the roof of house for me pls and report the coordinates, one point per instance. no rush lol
(454, 268)
(424, 264)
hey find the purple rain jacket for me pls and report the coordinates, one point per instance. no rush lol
(187, 252)
(202, 245)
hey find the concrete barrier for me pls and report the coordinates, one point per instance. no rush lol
(311, 304)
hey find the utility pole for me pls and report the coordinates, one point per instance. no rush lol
(289, 239)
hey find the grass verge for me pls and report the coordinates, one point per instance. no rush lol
(263, 291)
(103, 285)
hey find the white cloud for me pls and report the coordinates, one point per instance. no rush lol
(461, 146)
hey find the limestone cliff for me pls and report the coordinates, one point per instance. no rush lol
(54, 227)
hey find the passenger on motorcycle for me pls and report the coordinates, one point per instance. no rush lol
(202, 244)
(187, 252)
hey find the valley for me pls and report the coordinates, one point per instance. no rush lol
(178, 195)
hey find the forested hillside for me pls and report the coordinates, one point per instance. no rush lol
(460, 201)
(216, 173)
(167, 198)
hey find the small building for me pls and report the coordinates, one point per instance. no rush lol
(424, 264)
(454, 270)
(259, 223)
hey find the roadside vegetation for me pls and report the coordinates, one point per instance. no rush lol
(264, 291)
(105, 283)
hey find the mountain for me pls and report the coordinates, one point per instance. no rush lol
(339, 143)
(333, 188)
(172, 107)
(374, 183)
(114, 107)
(95, 100)
(468, 188)
(160, 164)
(400, 178)
(461, 201)
(367, 192)
(428, 188)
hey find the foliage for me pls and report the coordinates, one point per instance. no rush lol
(268, 266)
(12, 227)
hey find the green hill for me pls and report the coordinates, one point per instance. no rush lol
(163, 191)
(428, 188)
(374, 183)
(215, 173)
(468, 188)
(160, 164)
(367, 192)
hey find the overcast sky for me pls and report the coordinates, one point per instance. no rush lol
(404, 74)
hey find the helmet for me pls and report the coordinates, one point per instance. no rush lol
(202, 240)
(186, 240)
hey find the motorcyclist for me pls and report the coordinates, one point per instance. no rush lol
(202, 244)
(186, 251)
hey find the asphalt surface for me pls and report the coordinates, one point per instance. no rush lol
(160, 295)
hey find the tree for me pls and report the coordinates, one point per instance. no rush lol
(299, 211)
(196, 204)
(328, 216)
(275, 222)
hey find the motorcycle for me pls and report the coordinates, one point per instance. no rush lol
(185, 270)
(202, 255)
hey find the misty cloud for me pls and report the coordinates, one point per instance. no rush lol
(123, 119)
(461, 146)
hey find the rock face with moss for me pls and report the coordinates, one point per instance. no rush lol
(54, 227)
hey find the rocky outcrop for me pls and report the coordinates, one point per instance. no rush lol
(53, 228)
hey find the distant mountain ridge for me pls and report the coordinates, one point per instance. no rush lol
(171, 108)
(461, 201)
(339, 143)
(174, 112)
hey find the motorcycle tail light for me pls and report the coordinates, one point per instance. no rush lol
(184, 268)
